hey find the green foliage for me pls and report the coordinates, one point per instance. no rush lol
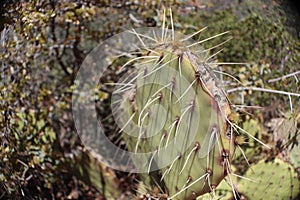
(268, 48)
(38, 50)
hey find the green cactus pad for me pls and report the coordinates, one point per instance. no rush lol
(179, 113)
(273, 180)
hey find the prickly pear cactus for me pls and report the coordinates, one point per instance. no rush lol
(274, 179)
(174, 108)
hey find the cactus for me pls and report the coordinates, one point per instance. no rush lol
(175, 109)
(273, 179)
